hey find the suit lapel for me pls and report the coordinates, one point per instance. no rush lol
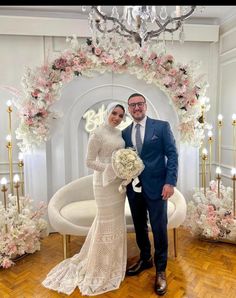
(149, 131)
(129, 141)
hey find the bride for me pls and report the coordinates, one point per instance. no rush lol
(101, 263)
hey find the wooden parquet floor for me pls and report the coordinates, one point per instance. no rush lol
(201, 270)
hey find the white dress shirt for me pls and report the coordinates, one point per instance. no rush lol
(142, 130)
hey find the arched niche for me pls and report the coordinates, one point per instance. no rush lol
(62, 158)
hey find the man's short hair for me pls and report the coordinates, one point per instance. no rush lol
(136, 94)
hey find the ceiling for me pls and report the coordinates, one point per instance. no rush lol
(203, 14)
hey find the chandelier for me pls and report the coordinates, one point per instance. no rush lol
(139, 23)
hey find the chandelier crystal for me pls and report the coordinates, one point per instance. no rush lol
(139, 23)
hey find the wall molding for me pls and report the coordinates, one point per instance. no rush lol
(45, 26)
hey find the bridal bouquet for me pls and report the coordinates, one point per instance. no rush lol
(127, 165)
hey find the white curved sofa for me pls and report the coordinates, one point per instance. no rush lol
(72, 209)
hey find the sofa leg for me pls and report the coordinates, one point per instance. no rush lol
(175, 233)
(65, 246)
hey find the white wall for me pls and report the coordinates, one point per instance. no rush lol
(18, 50)
(226, 99)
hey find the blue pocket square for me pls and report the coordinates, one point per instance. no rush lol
(154, 137)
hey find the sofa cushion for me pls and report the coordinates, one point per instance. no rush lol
(82, 213)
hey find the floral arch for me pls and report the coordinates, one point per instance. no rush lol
(42, 86)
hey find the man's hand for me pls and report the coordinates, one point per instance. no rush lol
(167, 191)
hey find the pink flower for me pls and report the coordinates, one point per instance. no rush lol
(152, 56)
(172, 72)
(97, 51)
(6, 263)
(138, 60)
(43, 112)
(210, 208)
(109, 60)
(49, 97)
(158, 60)
(167, 80)
(169, 58)
(35, 93)
(146, 66)
(76, 60)
(60, 63)
(215, 231)
(114, 67)
(127, 58)
(82, 55)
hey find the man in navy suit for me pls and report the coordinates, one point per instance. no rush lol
(155, 143)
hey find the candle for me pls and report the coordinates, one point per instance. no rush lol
(16, 180)
(218, 177)
(9, 103)
(177, 11)
(20, 156)
(8, 138)
(233, 173)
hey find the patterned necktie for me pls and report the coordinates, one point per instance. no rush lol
(138, 139)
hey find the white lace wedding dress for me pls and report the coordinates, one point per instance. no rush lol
(101, 263)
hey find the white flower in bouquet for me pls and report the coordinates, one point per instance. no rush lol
(127, 165)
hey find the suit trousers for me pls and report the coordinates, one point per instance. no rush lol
(141, 208)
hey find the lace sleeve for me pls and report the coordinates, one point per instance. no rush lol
(94, 145)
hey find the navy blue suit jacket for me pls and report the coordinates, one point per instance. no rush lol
(159, 155)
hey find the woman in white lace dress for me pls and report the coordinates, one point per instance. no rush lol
(101, 263)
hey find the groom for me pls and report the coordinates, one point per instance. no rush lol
(154, 141)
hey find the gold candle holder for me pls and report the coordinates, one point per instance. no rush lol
(233, 172)
(9, 147)
(210, 140)
(220, 118)
(204, 158)
(218, 178)
(21, 165)
(4, 190)
(234, 139)
(17, 185)
(9, 110)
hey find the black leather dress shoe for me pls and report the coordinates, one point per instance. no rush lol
(139, 267)
(160, 283)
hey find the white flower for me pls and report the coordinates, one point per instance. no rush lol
(24, 230)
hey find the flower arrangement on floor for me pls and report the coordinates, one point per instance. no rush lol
(42, 86)
(20, 233)
(210, 216)
(127, 165)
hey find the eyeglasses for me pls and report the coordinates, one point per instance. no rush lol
(139, 104)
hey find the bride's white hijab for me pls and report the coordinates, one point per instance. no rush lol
(111, 106)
